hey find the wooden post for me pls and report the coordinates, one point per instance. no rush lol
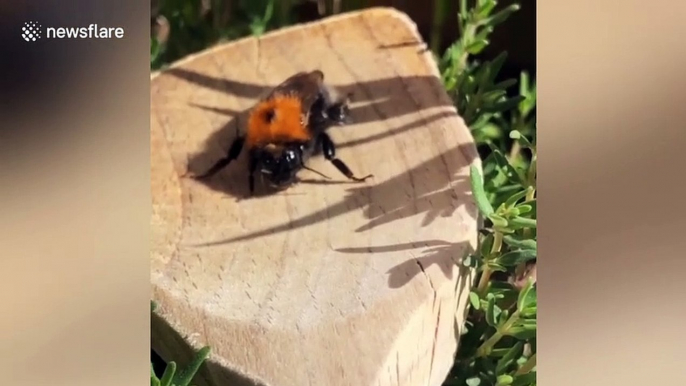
(329, 282)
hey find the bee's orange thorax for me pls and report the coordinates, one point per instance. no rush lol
(276, 120)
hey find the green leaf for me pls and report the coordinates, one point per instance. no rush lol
(493, 96)
(510, 172)
(533, 204)
(483, 76)
(529, 91)
(464, 11)
(486, 130)
(184, 377)
(486, 245)
(515, 242)
(474, 300)
(483, 34)
(494, 266)
(504, 380)
(503, 290)
(529, 308)
(513, 353)
(524, 208)
(527, 323)
(168, 375)
(525, 379)
(477, 46)
(506, 105)
(500, 16)
(524, 83)
(513, 258)
(528, 104)
(154, 47)
(468, 83)
(516, 197)
(522, 222)
(496, 65)
(514, 134)
(154, 381)
(489, 165)
(504, 85)
(530, 311)
(498, 221)
(473, 381)
(507, 188)
(492, 312)
(478, 191)
(153, 306)
(524, 299)
(503, 317)
(485, 9)
(268, 12)
(521, 332)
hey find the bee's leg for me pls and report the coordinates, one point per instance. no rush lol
(329, 149)
(252, 167)
(233, 154)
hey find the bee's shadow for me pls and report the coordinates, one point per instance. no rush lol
(232, 179)
(382, 99)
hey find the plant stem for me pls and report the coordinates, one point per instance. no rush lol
(467, 38)
(437, 24)
(483, 281)
(527, 366)
(497, 242)
(486, 274)
(532, 169)
(488, 345)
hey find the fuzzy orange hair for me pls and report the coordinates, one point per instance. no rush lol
(285, 124)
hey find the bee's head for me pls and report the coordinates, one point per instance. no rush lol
(339, 113)
(279, 164)
(338, 110)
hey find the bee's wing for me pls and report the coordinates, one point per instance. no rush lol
(307, 86)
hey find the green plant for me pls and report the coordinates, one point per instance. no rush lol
(498, 346)
(187, 26)
(171, 377)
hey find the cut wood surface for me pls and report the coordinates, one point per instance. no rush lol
(330, 282)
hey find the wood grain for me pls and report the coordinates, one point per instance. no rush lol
(332, 283)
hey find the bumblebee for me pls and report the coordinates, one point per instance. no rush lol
(286, 128)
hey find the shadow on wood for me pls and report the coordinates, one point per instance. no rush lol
(329, 282)
(392, 92)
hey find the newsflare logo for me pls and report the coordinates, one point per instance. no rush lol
(32, 31)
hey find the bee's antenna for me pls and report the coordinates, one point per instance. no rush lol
(321, 174)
